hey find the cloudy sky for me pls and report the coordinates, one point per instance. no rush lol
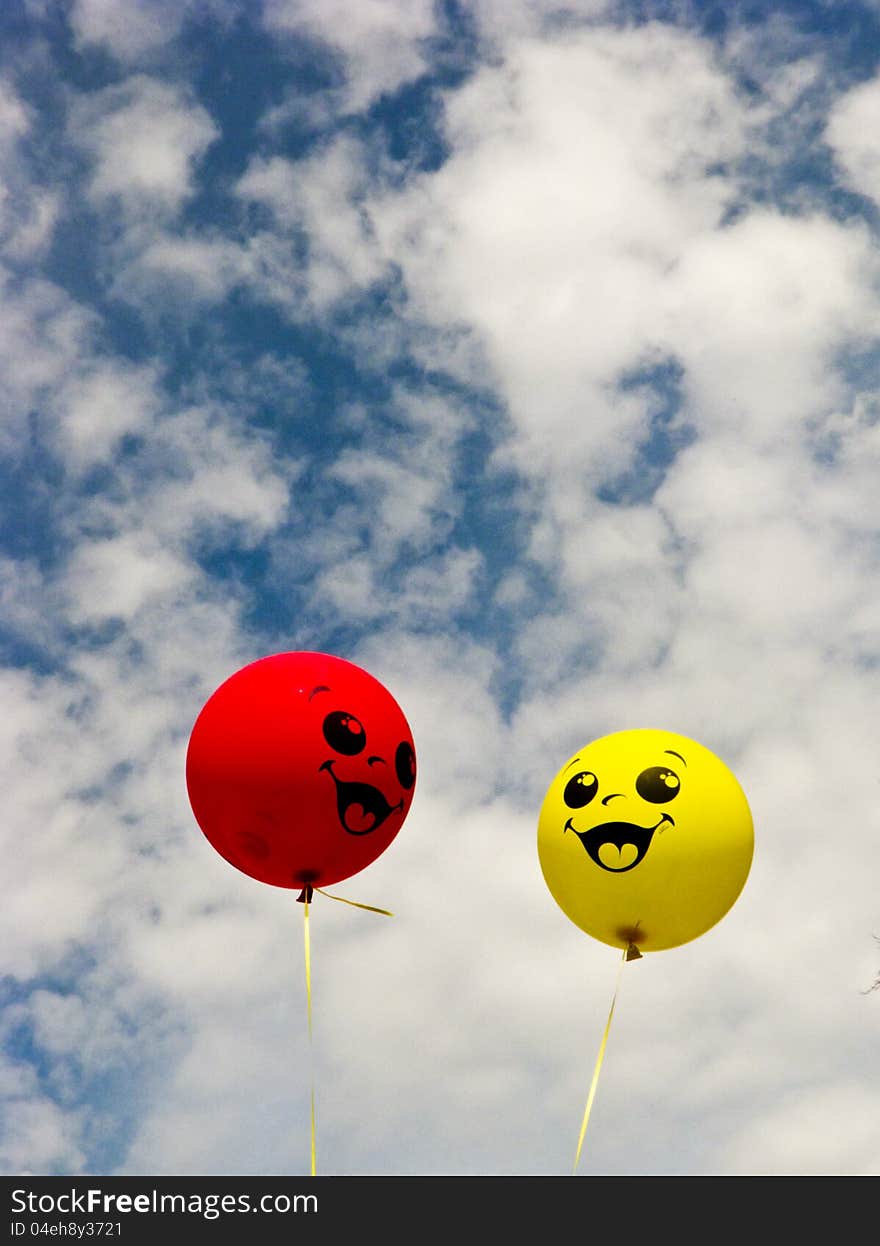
(525, 354)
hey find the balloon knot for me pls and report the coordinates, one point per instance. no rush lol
(305, 896)
(633, 953)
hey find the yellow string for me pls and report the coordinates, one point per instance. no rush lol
(306, 893)
(627, 955)
(309, 1014)
(354, 903)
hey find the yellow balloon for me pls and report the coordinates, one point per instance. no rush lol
(645, 838)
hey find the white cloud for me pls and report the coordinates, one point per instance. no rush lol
(578, 230)
(28, 612)
(760, 310)
(114, 578)
(38, 1134)
(97, 408)
(127, 29)
(191, 475)
(217, 476)
(322, 196)
(403, 504)
(274, 183)
(29, 232)
(581, 168)
(145, 138)
(175, 269)
(59, 868)
(380, 41)
(820, 1131)
(14, 121)
(852, 125)
(440, 585)
(501, 22)
(382, 548)
(43, 335)
(319, 253)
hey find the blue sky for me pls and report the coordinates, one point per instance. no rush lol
(526, 355)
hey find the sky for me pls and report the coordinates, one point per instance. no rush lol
(526, 355)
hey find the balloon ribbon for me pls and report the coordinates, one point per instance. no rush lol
(629, 953)
(354, 903)
(305, 900)
(304, 897)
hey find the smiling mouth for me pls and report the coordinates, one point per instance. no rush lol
(362, 808)
(617, 846)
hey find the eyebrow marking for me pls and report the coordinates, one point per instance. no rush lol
(674, 754)
(573, 762)
(319, 688)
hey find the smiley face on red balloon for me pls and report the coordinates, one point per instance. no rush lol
(301, 769)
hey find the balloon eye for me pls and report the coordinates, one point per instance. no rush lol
(658, 784)
(344, 733)
(405, 764)
(580, 789)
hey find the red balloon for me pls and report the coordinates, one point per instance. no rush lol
(300, 769)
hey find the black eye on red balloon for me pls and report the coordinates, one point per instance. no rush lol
(344, 733)
(405, 764)
(580, 789)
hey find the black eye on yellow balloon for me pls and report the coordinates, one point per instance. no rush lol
(658, 784)
(344, 733)
(580, 789)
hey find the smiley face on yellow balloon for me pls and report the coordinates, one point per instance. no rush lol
(645, 838)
